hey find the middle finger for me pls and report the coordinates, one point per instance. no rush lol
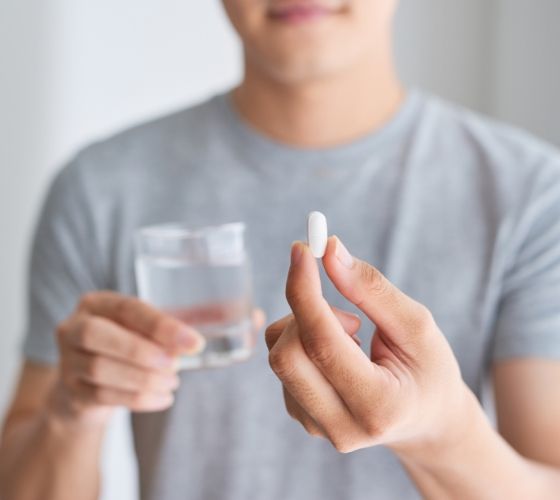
(309, 387)
(108, 372)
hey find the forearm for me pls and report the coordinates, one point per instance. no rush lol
(480, 466)
(43, 458)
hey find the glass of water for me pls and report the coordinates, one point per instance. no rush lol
(202, 277)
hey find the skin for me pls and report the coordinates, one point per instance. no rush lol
(408, 393)
(320, 83)
(114, 351)
(309, 84)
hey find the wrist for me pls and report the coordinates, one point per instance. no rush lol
(63, 414)
(451, 436)
(473, 450)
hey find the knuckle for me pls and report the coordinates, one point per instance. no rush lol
(315, 432)
(375, 282)
(280, 363)
(347, 441)
(124, 307)
(269, 336)
(273, 332)
(342, 445)
(68, 379)
(374, 428)
(99, 394)
(425, 319)
(133, 350)
(292, 295)
(87, 332)
(94, 368)
(295, 296)
(137, 400)
(291, 406)
(319, 351)
(311, 428)
(146, 381)
(86, 301)
(291, 412)
(128, 308)
(64, 364)
(61, 331)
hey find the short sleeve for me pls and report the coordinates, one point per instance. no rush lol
(64, 263)
(528, 321)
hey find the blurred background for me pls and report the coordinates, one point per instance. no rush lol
(73, 71)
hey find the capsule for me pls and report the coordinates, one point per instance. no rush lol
(317, 234)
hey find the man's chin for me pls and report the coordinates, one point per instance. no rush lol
(301, 73)
(299, 66)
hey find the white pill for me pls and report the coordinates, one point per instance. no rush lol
(317, 234)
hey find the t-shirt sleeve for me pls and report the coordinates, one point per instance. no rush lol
(64, 262)
(528, 322)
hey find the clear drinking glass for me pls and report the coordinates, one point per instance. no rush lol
(202, 277)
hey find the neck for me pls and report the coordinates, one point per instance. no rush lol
(324, 112)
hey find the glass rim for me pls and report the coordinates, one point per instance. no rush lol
(180, 230)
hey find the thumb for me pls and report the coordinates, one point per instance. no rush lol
(398, 315)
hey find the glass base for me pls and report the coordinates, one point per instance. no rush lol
(225, 345)
(214, 360)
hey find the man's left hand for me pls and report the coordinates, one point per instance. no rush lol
(408, 394)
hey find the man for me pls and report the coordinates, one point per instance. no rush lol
(458, 213)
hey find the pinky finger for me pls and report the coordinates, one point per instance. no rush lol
(96, 395)
(298, 413)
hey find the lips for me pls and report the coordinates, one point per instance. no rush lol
(299, 11)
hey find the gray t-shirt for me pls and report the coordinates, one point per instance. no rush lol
(460, 213)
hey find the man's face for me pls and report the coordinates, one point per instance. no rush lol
(299, 40)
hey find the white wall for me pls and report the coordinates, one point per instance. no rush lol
(72, 70)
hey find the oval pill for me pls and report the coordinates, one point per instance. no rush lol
(317, 234)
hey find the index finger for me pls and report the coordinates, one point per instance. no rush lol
(342, 362)
(132, 313)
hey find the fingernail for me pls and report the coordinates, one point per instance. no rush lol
(297, 252)
(343, 255)
(190, 340)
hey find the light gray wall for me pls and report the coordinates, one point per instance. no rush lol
(442, 46)
(525, 77)
(71, 71)
(22, 163)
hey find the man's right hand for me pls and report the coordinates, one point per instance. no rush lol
(117, 351)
